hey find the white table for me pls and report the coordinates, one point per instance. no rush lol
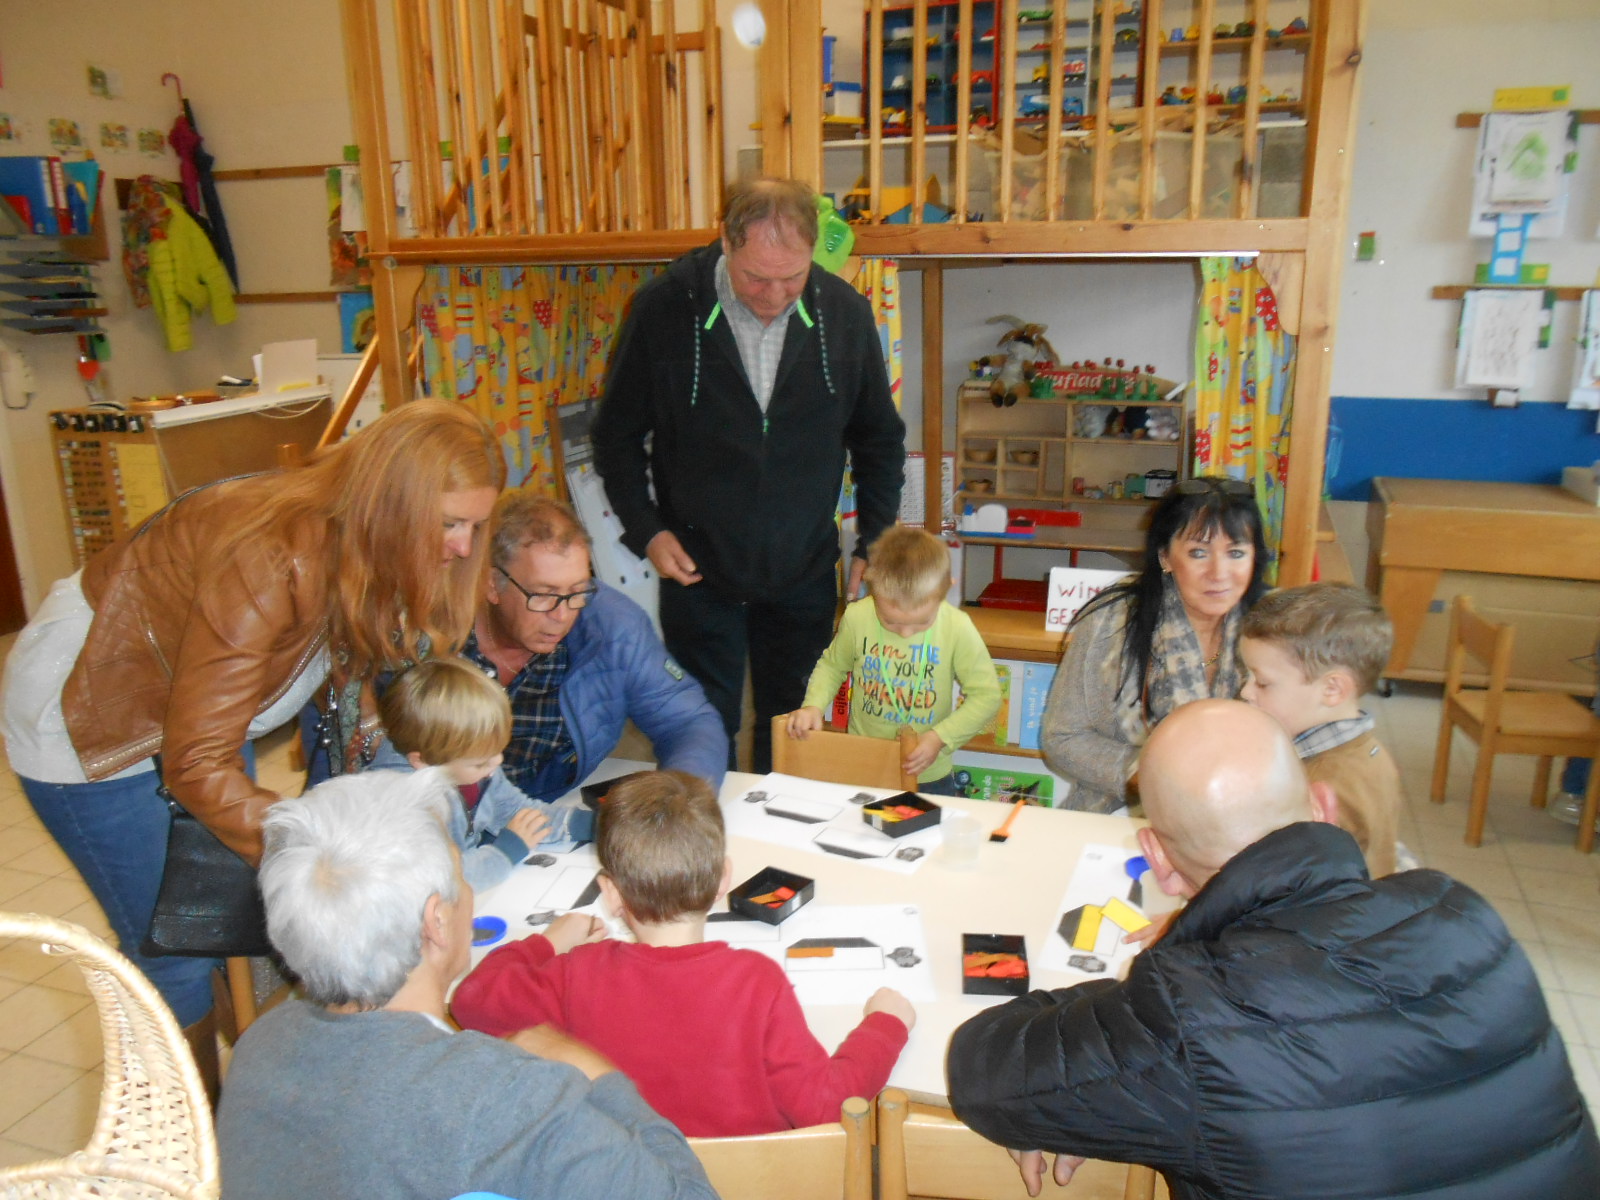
(1016, 887)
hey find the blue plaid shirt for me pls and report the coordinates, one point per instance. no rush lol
(538, 733)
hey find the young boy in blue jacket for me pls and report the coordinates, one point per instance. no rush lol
(447, 713)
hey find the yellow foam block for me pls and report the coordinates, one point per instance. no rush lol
(1124, 916)
(1088, 930)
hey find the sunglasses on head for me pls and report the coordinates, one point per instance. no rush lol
(1212, 483)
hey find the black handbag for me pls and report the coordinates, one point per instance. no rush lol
(210, 905)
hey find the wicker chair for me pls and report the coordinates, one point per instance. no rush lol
(153, 1136)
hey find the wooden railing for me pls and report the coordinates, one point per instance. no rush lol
(528, 119)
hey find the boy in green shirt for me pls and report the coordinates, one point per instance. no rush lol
(907, 650)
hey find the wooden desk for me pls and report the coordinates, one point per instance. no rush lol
(1419, 528)
(1015, 888)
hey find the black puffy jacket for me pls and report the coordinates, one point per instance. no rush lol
(682, 444)
(1301, 1031)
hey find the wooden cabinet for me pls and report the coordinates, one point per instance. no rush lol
(1055, 452)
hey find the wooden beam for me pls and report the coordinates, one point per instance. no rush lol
(311, 172)
(1066, 239)
(933, 397)
(959, 202)
(1104, 136)
(364, 74)
(1458, 291)
(286, 297)
(1147, 108)
(1471, 120)
(1003, 100)
(874, 110)
(919, 106)
(1202, 112)
(711, 87)
(772, 66)
(1340, 25)
(805, 91)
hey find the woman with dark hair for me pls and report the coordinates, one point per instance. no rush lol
(1155, 640)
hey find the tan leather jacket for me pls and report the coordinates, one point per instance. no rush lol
(186, 649)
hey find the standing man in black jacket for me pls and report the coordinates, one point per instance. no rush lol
(1300, 1030)
(744, 376)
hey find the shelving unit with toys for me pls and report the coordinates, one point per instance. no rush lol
(1086, 435)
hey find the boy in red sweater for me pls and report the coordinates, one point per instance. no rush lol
(713, 1037)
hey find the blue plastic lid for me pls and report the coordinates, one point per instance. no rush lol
(486, 931)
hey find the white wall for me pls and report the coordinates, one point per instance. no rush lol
(1423, 62)
(268, 87)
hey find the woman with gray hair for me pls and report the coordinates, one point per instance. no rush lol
(363, 1088)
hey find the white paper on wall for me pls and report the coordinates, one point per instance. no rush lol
(1499, 334)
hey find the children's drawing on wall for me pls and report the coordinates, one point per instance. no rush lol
(1500, 330)
(10, 130)
(104, 82)
(357, 321)
(113, 136)
(1522, 167)
(1586, 371)
(65, 134)
(152, 143)
(347, 248)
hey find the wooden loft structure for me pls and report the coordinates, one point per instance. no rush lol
(606, 121)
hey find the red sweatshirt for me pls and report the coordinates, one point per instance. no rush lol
(713, 1037)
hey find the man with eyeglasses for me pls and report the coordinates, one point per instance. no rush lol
(578, 659)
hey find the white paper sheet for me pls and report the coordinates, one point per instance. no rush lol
(1499, 335)
(1586, 369)
(1532, 181)
(1098, 877)
(785, 810)
(895, 953)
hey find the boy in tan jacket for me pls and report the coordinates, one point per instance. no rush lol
(1312, 652)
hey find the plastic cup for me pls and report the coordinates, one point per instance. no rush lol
(963, 835)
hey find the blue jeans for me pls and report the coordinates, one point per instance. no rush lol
(943, 786)
(115, 833)
(1575, 775)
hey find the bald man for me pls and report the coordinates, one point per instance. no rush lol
(1300, 1030)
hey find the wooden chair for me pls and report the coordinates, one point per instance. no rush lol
(819, 1162)
(924, 1151)
(1503, 721)
(153, 1136)
(840, 758)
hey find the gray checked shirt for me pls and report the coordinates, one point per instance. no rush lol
(760, 346)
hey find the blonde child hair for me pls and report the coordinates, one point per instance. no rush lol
(908, 567)
(660, 841)
(446, 709)
(1323, 626)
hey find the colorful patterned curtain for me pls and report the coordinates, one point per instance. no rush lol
(515, 342)
(879, 281)
(1244, 379)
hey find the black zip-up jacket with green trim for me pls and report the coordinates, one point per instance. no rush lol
(751, 498)
(1301, 1032)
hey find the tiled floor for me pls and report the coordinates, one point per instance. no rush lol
(1548, 894)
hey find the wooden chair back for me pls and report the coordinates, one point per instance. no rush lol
(925, 1151)
(819, 1162)
(840, 758)
(152, 1136)
(1475, 636)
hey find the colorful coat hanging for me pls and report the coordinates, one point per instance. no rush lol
(1244, 381)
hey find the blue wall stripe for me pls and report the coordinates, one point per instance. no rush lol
(1453, 439)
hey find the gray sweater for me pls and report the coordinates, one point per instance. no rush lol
(1079, 736)
(389, 1104)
